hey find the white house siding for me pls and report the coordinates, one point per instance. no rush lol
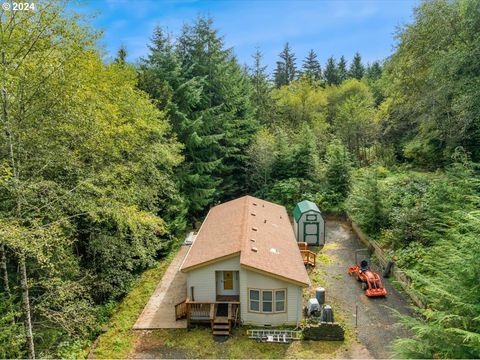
(253, 280)
(203, 279)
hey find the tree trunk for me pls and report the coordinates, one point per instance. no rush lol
(26, 307)
(3, 266)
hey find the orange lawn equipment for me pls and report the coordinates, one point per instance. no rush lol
(371, 282)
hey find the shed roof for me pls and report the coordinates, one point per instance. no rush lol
(257, 230)
(303, 207)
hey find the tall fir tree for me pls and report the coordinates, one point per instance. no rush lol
(225, 108)
(374, 71)
(311, 67)
(342, 69)
(286, 70)
(261, 98)
(357, 70)
(331, 72)
(161, 75)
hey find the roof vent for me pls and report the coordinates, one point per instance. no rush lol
(265, 221)
(254, 249)
(274, 251)
(254, 204)
(252, 240)
(254, 228)
(253, 214)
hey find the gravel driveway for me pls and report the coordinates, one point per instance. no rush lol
(376, 321)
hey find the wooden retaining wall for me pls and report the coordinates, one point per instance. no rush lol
(403, 280)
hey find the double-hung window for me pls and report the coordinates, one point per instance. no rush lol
(280, 300)
(255, 300)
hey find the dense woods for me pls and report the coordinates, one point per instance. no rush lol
(104, 164)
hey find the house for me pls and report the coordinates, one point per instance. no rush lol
(244, 266)
(309, 225)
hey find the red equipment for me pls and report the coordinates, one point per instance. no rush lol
(371, 282)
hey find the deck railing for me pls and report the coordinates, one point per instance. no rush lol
(198, 311)
(309, 257)
(181, 310)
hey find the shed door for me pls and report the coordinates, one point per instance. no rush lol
(310, 232)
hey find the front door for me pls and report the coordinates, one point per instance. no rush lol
(228, 280)
(310, 232)
(228, 283)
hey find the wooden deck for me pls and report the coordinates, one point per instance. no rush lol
(221, 315)
(309, 257)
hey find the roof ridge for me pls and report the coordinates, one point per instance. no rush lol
(245, 225)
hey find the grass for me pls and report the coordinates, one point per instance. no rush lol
(199, 343)
(119, 338)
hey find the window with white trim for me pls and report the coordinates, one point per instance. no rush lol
(255, 300)
(267, 301)
(280, 300)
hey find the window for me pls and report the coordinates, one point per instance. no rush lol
(311, 217)
(280, 300)
(267, 301)
(254, 300)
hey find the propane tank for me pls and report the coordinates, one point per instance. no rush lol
(320, 295)
(327, 314)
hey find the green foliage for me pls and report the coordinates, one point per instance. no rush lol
(12, 337)
(432, 221)
(364, 203)
(337, 173)
(311, 67)
(261, 94)
(342, 70)
(87, 168)
(291, 191)
(433, 78)
(286, 70)
(357, 70)
(208, 98)
(330, 73)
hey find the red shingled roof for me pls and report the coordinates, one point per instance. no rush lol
(258, 230)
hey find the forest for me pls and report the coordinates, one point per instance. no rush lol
(105, 164)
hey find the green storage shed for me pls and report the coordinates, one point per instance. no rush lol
(309, 225)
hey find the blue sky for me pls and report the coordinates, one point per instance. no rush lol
(329, 27)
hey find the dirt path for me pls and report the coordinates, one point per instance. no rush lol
(376, 321)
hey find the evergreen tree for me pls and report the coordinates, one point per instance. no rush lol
(121, 55)
(337, 175)
(311, 67)
(286, 70)
(306, 154)
(374, 71)
(342, 70)
(224, 116)
(357, 70)
(261, 97)
(331, 72)
(161, 75)
(283, 165)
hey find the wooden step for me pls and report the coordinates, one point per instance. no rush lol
(221, 320)
(221, 326)
(221, 332)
